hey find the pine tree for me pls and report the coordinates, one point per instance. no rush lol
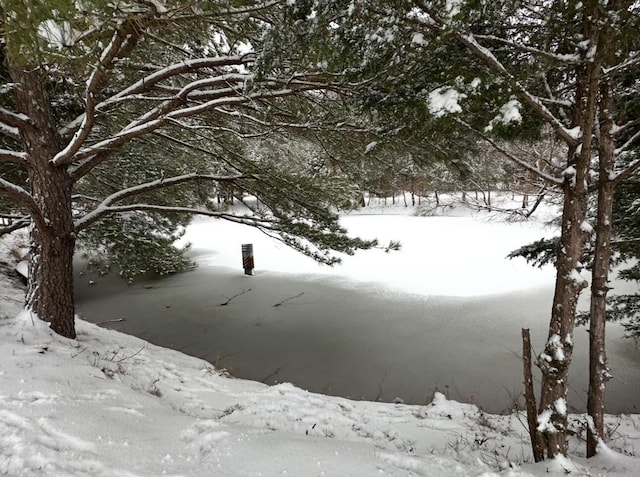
(504, 70)
(124, 116)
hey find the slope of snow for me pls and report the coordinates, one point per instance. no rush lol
(108, 404)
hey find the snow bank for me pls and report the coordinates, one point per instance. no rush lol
(108, 404)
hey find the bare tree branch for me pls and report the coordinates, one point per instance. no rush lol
(525, 165)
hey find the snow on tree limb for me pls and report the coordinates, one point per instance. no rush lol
(13, 119)
(186, 66)
(627, 145)
(7, 155)
(109, 145)
(16, 225)
(626, 173)
(432, 21)
(633, 60)
(9, 131)
(151, 81)
(22, 197)
(569, 59)
(106, 206)
(65, 156)
(532, 100)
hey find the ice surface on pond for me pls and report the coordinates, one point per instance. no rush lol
(446, 256)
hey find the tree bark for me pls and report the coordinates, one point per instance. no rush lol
(598, 371)
(554, 361)
(50, 286)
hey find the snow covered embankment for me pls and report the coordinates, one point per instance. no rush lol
(108, 404)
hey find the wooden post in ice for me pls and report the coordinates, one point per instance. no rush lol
(247, 258)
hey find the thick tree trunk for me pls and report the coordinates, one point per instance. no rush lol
(50, 289)
(554, 361)
(598, 371)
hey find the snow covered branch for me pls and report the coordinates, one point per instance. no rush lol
(23, 198)
(91, 154)
(9, 131)
(151, 81)
(106, 206)
(532, 100)
(16, 225)
(339, 127)
(432, 21)
(7, 155)
(628, 172)
(65, 156)
(12, 119)
(633, 60)
(259, 222)
(252, 9)
(627, 145)
(568, 59)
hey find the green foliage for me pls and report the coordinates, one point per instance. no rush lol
(300, 175)
(135, 244)
(539, 253)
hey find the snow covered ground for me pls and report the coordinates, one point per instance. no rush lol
(108, 404)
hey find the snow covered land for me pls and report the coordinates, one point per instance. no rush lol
(109, 404)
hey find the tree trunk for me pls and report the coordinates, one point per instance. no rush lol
(530, 399)
(50, 288)
(598, 371)
(555, 359)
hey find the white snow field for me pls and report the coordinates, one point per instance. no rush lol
(458, 254)
(109, 404)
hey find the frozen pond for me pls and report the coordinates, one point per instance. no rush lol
(390, 326)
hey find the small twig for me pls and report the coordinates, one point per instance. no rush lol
(128, 357)
(5, 297)
(117, 320)
(235, 296)
(73, 355)
(288, 299)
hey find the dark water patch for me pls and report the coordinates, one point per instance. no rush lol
(359, 341)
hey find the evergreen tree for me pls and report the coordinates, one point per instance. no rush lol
(503, 70)
(124, 116)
